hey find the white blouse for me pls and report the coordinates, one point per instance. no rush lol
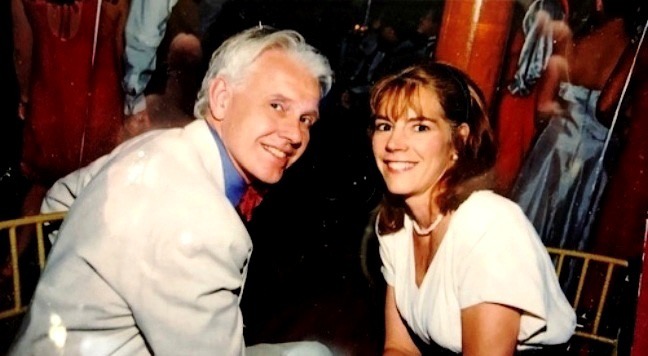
(490, 253)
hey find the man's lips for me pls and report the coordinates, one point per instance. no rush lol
(278, 153)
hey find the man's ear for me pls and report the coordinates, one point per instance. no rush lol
(220, 93)
(464, 131)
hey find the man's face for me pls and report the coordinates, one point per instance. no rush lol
(426, 25)
(265, 120)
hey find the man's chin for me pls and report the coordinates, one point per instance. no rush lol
(271, 178)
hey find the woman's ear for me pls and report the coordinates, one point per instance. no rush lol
(464, 131)
(219, 98)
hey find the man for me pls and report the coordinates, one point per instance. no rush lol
(146, 27)
(425, 38)
(152, 256)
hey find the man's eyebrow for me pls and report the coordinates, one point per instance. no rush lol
(286, 99)
(314, 113)
(279, 97)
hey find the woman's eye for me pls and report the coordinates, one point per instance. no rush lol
(420, 128)
(381, 126)
(276, 106)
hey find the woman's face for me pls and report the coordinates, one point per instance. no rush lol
(413, 150)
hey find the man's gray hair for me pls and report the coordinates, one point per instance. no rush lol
(234, 57)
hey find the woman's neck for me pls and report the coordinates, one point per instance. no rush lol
(423, 208)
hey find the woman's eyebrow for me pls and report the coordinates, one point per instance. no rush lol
(422, 118)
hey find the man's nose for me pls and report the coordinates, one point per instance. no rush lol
(291, 130)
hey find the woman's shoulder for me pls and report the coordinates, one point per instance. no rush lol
(489, 219)
(391, 237)
(489, 203)
(486, 210)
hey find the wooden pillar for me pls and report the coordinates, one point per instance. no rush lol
(473, 37)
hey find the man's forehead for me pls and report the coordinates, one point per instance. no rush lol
(283, 77)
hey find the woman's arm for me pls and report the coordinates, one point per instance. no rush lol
(397, 339)
(548, 87)
(489, 329)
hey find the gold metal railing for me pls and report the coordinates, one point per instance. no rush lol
(10, 229)
(582, 264)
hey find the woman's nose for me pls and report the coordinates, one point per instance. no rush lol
(397, 140)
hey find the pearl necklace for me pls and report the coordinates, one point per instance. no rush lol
(422, 232)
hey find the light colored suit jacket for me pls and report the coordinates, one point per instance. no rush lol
(151, 258)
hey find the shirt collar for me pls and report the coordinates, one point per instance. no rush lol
(234, 184)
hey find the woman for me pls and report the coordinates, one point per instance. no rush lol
(577, 97)
(68, 60)
(465, 269)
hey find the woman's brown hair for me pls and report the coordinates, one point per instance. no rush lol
(463, 103)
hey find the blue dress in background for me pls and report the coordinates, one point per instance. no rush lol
(562, 179)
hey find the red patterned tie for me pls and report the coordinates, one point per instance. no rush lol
(250, 200)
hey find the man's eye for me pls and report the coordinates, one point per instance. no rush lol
(308, 120)
(277, 106)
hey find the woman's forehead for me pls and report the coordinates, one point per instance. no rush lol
(397, 102)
